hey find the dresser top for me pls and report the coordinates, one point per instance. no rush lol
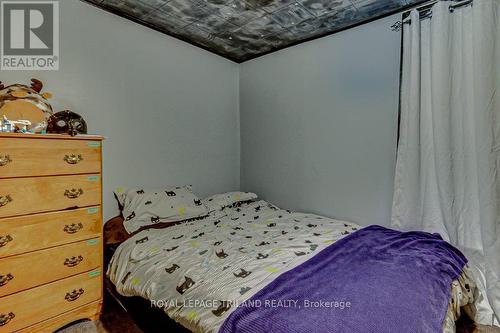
(51, 136)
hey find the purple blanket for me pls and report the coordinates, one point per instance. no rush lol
(374, 280)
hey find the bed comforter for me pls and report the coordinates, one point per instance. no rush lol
(200, 272)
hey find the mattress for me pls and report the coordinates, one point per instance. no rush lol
(199, 272)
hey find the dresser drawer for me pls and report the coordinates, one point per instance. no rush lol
(35, 305)
(21, 196)
(33, 269)
(51, 229)
(22, 157)
(89, 311)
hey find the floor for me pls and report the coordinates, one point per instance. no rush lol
(116, 320)
(113, 320)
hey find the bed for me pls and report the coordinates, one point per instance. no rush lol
(246, 268)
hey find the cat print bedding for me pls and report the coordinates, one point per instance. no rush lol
(211, 275)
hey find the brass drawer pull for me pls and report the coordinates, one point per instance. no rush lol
(5, 319)
(4, 279)
(5, 200)
(74, 261)
(74, 295)
(73, 193)
(4, 160)
(73, 159)
(5, 239)
(73, 228)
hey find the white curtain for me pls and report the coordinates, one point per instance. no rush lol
(448, 165)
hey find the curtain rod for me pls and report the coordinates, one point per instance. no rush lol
(428, 5)
(427, 9)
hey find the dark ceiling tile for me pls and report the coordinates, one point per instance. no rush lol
(244, 12)
(216, 24)
(247, 34)
(372, 8)
(229, 47)
(262, 26)
(321, 7)
(212, 43)
(245, 17)
(240, 39)
(213, 2)
(282, 38)
(237, 12)
(236, 54)
(198, 35)
(244, 36)
(186, 10)
(243, 29)
(248, 50)
(221, 9)
(339, 20)
(131, 8)
(291, 15)
(272, 5)
(254, 46)
(306, 27)
(231, 13)
(219, 46)
(194, 30)
(409, 2)
(164, 22)
(330, 21)
(253, 52)
(247, 4)
(154, 3)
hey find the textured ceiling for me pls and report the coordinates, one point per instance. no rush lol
(245, 29)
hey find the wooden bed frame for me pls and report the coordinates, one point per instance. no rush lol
(149, 318)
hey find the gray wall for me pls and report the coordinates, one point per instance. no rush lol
(318, 124)
(318, 120)
(169, 110)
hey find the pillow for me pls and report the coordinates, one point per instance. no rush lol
(142, 207)
(229, 199)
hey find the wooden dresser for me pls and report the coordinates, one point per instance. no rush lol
(50, 231)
